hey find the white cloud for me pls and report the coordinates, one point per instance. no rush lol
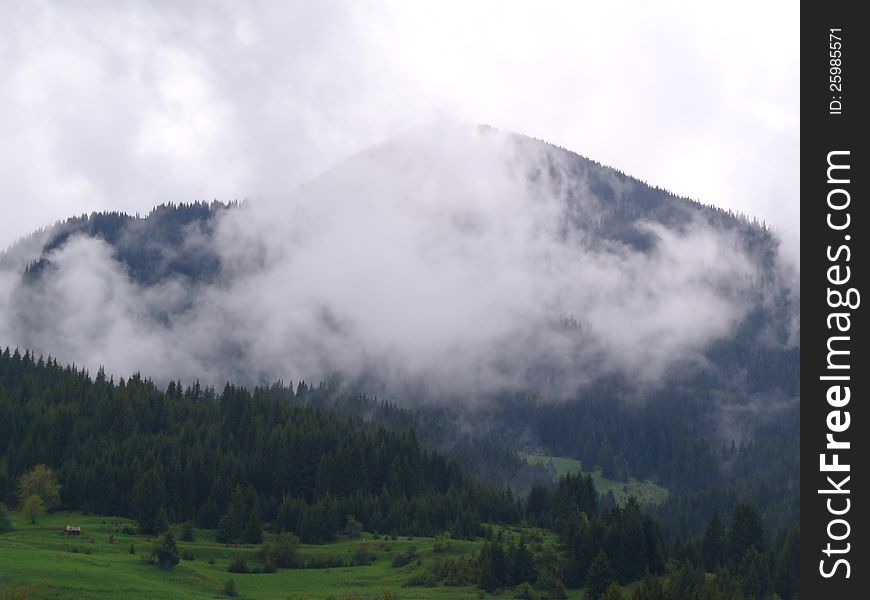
(123, 106)
(430, 259)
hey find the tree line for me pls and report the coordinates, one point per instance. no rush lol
(229, 461)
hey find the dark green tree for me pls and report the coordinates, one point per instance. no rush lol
(713, 544)
(493, 567)
(599, 577)
(687, 580)
(241, 522)
(147, 499)
(520, 563)
(165, 553)
(746, 532)
(281, 551)
(753, 571)
(626, 543)
(788, 573)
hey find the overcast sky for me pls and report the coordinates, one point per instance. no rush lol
(123, 105)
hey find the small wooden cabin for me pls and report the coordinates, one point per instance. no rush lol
(72, 530)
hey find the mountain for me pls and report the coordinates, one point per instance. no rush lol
(465, 259)
(507, 294)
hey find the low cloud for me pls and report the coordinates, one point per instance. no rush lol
(442, 259)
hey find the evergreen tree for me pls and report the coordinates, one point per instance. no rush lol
(753, 571)
(493, 569)
(165, 553)
(746, 532)
(147, 498)
(241, 522)
(713, 544)
(521, 563)
(787, 581)
(687, 580)
(626, 543)
(599, 577)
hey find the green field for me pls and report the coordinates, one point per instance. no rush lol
(647, 492)
(41, 559)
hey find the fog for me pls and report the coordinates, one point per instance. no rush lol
(125, 105)
(434, 260)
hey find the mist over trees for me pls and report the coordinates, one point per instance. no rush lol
(445, 306)
(464, 263)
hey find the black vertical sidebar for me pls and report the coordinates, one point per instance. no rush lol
(835, 374)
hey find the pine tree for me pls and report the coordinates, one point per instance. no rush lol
(147, 499)
(754, 573)
(599, 577)
(787, 581)
(746, 532)
(493, 570)
(165, 553)
(521, 564)
(713, 544)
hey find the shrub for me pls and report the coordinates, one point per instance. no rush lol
(525, 592)
(239, 565)
(280, 551)
(363, 556)
(406, 558)
(268, 567)
(165, 553)
(442, 544)
(456, 570)
(187, 554)
(230, 588)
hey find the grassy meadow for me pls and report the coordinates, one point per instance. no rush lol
(647, 492)
(40, 562)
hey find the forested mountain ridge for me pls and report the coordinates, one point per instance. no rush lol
(572, 224)
(505, 292)
(170, 241)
